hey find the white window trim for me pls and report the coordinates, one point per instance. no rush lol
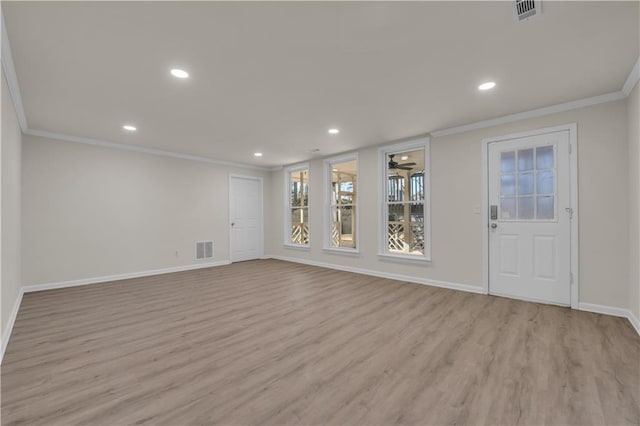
(328, 169)
(383, 218)
(287, 204)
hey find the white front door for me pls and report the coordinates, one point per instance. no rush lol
(245, 214)
(529, 218)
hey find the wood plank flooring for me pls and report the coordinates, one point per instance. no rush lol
(275, 343)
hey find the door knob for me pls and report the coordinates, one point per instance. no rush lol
(494, 225)
(233, 223)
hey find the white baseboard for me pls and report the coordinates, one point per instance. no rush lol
(589, 307)
(603, 309)
(107, 278)
(634, 322)
(610, 310)
(417, 280)
(6, 333)
(86, 281)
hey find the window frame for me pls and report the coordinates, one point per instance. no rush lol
(288, 171)
(328, 171)
(383, 218)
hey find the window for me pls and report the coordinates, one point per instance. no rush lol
(342, 197)
(296, 227)
(527, 184)
(405, 216)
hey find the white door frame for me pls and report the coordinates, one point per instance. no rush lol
(261, 180)
(573, 185)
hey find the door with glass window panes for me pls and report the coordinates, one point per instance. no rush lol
(529, 218)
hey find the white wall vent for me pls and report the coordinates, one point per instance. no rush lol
(525, 9)
(204, 250)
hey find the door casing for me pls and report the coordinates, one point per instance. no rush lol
(573, 189)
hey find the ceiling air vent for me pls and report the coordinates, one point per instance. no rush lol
(204, 250)
(526, 9)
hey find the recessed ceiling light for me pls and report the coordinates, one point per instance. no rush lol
(257, 154)
(129, 127)
(334, 131)
(176, 72)
(335, 170)
(404, 157)
(486, 86)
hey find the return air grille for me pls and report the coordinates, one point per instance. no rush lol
(204, 250)
(526, 9)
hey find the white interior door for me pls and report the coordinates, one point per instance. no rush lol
(245, 213)
(529, 218)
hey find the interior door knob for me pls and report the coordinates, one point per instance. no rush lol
(233, 223)
(494, 225)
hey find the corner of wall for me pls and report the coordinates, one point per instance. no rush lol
(633, 135)
(8, 327)
(10, 217)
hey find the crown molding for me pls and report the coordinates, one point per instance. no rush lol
(632, 79)
(137, 148)
(11, 76)
(553, 109)
(8, 67)
(12, 80)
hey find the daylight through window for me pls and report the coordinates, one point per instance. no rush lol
(297, 226)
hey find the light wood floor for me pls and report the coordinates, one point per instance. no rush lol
(271, 342)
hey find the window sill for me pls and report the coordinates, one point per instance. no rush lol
(305, 247)
(341, 250)
(403, 257)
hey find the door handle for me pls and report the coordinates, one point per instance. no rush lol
(233, 223)
(494, 225)
(494, 212)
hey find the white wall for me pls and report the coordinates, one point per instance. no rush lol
(633, 131)
(456, 184)
(10, 229)
(90, 211)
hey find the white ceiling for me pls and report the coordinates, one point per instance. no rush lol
(274, 77)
